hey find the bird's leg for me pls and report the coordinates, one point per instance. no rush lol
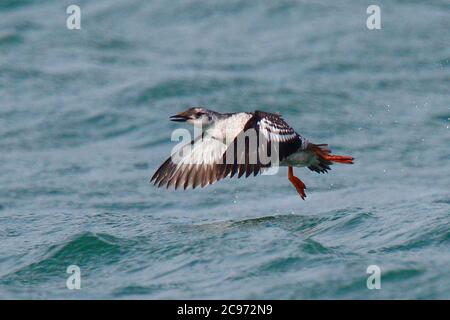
(298, 184)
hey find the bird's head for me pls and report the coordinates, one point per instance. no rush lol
(197, 116)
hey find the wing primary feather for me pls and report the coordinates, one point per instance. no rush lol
(197, 177)
(182, 177)
(167, 175)
(188, 174)
(161, 167)
(204, 175)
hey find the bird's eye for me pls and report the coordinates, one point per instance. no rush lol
(198, 114)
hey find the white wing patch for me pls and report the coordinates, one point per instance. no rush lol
(206, 150)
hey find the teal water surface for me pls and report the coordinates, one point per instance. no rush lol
(84, 124)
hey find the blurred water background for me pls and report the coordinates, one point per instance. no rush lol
(84, 124)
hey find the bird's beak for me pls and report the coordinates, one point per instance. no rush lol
(180, 117)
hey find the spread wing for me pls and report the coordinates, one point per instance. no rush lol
(196, 163)
(275, 140)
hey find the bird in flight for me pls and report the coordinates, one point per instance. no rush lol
(237, 144)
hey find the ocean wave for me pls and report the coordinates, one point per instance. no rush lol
(88, 250)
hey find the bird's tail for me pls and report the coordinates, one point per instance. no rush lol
(325, 158)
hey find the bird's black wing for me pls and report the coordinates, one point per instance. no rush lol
(275, 141)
